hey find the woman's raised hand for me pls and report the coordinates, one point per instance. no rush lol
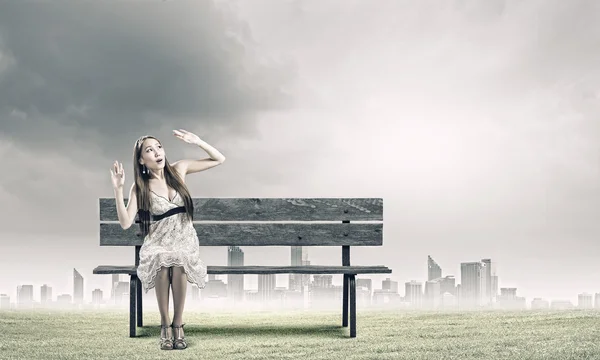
(117, 175)
(187, 136)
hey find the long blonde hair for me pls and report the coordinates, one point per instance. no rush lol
(142, 188)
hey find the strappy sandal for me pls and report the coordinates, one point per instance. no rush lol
(179, 342)
(166, 343)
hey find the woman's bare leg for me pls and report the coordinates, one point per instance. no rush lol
(162, 295)
(179, 287)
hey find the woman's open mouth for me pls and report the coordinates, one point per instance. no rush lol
(159, 161)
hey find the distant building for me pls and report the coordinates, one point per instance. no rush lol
(45, 294)
(389, 285)
(195, 292)
(97, 297)
(385, 298)
(305, 277)
(266, 286)
(77, 287)
(25, 295)
(365, 283)
(215, 288)
(494, 289)
(561, 305)
(326, 295)
(64, 300)
(295, 280)
(413, 293)
(322, 281)
(363, 292)
(449, 301)
(584, 301)
(235, 282)
(488, 273)
(4, 302)
(508, 299)
(472, 284)
(121, 289)
(113, 286)
(508, 293)
(432, 298)
(539, 303)
(448, 284)
(434, 271)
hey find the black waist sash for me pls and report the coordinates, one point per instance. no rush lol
(177, 210)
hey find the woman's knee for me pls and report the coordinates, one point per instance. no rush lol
(178, 270)
(163, 273)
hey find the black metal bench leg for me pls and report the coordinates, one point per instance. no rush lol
(345, 302)
(352, 285)
(139, 315)
(132, 296)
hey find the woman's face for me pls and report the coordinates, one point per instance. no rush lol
(152, 155)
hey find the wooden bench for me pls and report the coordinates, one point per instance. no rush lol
(339, 212)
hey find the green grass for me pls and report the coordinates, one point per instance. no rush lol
(381, 334)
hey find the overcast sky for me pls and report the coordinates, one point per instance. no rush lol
(476, 122)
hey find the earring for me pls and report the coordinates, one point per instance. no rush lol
(144, 169)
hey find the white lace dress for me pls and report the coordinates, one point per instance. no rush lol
(171, 241)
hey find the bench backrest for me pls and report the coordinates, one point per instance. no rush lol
(267, 222)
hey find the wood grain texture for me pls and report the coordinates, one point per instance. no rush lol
(272, 209)
(251, 269)
(298, 234)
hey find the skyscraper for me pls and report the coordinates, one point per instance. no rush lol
(434, 271)
(472, 284)
(97, 296)
(433, 293)
(584, 301)
(367, 283)
(494, 286)
(25, 295)
(113, 285)
(305, 262)
(121, 288)
(266, 286)
(296, 260)
(235, 282)
(45, 294)
(488, 273)
(413, 293)
(389, 285)
(448, 285)
(322, 281)
(77, 287)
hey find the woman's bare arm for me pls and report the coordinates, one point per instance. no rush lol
(189, 166)
(127, 214)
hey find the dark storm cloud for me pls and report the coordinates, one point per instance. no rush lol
(117, 68)
(80, 82)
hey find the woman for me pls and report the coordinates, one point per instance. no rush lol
(170, 252)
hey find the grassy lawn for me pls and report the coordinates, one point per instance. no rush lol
(381, 334)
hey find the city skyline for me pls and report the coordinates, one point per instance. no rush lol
(478, 284)
(507, 297)
(475, 122)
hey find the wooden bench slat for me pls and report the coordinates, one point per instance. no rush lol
(251, 269)
(294, 234)
(115, 269)
(307, 269)
(272, 209)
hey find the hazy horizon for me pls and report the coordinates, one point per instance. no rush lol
(476, 122)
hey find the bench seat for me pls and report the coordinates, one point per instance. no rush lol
(251, 269)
